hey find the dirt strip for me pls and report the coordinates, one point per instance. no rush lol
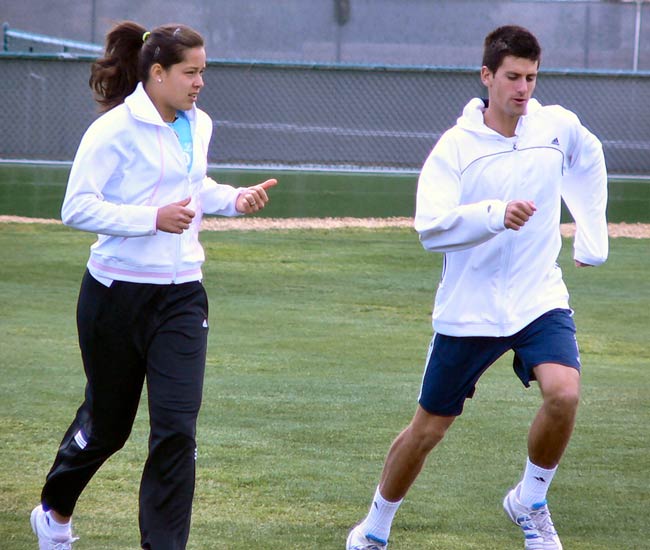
(251, 223)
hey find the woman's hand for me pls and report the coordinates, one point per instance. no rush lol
(175, 217)
(253, 199)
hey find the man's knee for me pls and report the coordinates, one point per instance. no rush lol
(560, 386)
(562, 401)
(562, 396)
(429, 429)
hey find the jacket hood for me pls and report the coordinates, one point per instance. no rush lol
(472, 117)
(142, 108)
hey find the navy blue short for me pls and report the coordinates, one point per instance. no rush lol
(455, 363)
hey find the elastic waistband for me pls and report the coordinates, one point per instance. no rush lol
(101, 270)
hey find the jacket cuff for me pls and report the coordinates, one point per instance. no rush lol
(496, 216)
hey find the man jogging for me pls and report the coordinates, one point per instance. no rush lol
(489, 199)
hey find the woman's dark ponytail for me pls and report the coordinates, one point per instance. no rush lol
(115, 76)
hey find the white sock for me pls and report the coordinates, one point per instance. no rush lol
(380, 517)
(58, 530)
(535, 484)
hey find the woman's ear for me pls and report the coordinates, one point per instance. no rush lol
(156, 72)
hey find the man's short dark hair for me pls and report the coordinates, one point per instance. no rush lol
(509, 40)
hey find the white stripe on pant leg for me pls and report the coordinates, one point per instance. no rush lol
(80, 440)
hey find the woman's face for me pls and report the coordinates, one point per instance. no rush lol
(181, 84)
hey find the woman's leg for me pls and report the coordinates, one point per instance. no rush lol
(114, 372)
(175, 370)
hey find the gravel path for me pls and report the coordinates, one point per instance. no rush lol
(251, 223)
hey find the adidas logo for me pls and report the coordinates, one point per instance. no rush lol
(80, 440)
(555, 142)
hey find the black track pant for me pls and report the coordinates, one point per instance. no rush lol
(128, 333)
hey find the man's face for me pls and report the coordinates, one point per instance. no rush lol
(511, 86)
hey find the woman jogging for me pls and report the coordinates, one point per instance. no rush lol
(139, 181)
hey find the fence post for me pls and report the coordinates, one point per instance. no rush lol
(637, 32)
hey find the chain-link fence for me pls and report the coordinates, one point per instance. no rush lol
(338, 117)
(587, 34)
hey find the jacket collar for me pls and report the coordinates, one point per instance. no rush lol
(472, 117)
(142, 108)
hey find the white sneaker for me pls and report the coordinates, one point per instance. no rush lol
(535, 522)
(41, 529)
(358, 541)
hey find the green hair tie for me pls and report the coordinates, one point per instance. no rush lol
(145, 36)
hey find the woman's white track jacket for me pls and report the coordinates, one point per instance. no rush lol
(130, 163)
(497, 281)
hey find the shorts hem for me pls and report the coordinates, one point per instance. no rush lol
(436, 413)
(532, 378)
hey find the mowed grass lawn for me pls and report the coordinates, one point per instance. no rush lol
(317, 345)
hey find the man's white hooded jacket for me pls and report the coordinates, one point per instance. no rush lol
(496, 281)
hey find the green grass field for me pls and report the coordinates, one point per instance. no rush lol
(317, 346)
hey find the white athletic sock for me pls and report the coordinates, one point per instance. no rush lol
(535, 484)
(380, 517)
(59, 531)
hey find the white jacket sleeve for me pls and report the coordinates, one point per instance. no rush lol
(84, 207)
(443, 224)
(584, 190)
(217, 198)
